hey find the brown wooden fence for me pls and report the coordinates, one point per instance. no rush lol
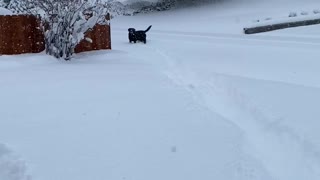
(22, 34)
(101, 39)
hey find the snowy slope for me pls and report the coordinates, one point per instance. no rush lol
(199, 101)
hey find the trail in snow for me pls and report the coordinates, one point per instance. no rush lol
(284, 153)
(276, 146)
(244, 167)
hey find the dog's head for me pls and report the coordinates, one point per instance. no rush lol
(131, 30)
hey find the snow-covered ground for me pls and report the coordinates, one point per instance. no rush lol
(199, 101)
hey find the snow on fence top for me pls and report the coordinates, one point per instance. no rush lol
(292, 20)
(4, 11)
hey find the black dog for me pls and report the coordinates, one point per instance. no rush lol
(138, 35)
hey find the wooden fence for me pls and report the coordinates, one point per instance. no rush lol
(101, 39)
(22, 34)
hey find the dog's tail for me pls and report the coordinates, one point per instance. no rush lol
(148, 29)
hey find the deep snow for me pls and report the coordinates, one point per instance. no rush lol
(199, 101)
